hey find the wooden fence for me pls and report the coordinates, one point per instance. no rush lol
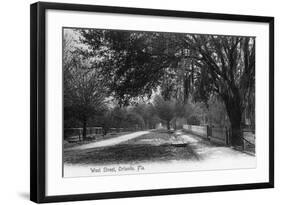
(221, 135)
(215, 134)
(196, 129)
(76, 134)
(249, 140)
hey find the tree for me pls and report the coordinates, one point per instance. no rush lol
(134, 119)
(84, 93)
(225, 67)
(125, 118)
(216, 113)
(148, 113)
(106, 121)
(133, 62)
(180, 111)
(165, 109)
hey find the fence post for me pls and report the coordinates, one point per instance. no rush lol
(209, 132)
(226, 136)
(243, 141)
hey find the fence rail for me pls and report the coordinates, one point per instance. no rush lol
(221, 135)
(198, 130)
(249, 141)
(76, 134)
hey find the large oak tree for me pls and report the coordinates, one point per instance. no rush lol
(225, 67)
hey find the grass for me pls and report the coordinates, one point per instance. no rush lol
(155, 146)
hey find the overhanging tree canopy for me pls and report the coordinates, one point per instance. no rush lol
(135, 63)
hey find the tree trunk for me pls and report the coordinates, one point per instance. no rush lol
(146, 125)
(168, 125)
(236, 135)
(84, 133)
(234, 112)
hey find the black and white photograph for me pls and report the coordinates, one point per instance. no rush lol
(134, 102)
(140, 102)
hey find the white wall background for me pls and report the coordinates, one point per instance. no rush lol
(14, 101)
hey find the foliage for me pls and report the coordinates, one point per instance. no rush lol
(148, 113)
(226, 68)
(84, 93)
(216, 113)
(217, 72)
(193, 120)
(165, 109)
(122, 118)
(133, 62)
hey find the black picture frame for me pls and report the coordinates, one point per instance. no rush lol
(38, 100)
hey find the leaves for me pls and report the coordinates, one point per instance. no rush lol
(133, 62)
(84, 90)
(132, 65)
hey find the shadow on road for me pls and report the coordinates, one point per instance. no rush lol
(154, 146)
(132, 153)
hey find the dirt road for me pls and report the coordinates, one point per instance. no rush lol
(109, 142)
